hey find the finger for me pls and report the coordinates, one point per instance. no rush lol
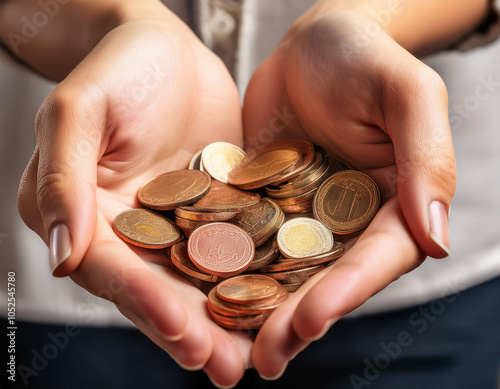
(415, 105)
(112, 271)
(68, 127)
(384, 252)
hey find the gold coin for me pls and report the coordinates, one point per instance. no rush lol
(303, 237)
(347, 202)
(173, 189)
(145, 228)
(220, 158)
(247, 288)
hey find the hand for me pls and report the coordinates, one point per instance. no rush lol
(370, 102)
(140, 104)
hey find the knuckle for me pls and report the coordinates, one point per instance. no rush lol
(442, 171)
(49, 189)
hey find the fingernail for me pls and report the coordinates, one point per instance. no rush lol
(438, 225)
(219, 385)
(277, 376)
(60, 245)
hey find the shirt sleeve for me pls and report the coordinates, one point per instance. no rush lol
(488, 32)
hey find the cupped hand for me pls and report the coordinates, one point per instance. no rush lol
(142, 102)
(340, 80)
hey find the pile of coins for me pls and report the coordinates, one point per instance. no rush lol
(279, 241)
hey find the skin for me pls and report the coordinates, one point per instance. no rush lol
(90, 158)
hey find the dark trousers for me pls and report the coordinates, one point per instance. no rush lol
(452, 342)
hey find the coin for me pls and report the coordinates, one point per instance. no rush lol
(173, 189)
(291, 288)
(220, 158)
(221, 249)
(294, 200)
(261, 222)
(180, 258)
(247, 288)
(346, 202)
(264, 168)
(194, 164)
(222, 197)
(285, 264)
(264, 255)
(298, 208)
(218, 305)
(145, 228)
(303, 237)
(240, 323)
(295, 276)
(190, 213)
(189, 224)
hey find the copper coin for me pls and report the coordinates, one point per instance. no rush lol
(218, 305)
(147, 229)
(294, 276)
(190, 213)
(221, 249)
(291, 288)
(294, 200)
(285, 264)
(222, 197)
(347, 202)
(264, 168)
(306, 150)
(264, 255)
(189, 224)
(173, 189)
(260, 222)
(180, 258)
(337, 165)
(298, 208)
(253, 322)
(247, 288)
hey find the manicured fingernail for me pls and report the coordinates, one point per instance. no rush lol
(277, 376)
(438, 225)
(60, 245)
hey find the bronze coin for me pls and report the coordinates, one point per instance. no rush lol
(264, 255)
(285, 264)
(264, 168)
(222, 197)
(221, 249)
(347, 202)
(247, 288)
(147, 229)
(189, 224)
(253, 322)
(190, 213)
(218, 305)
(260, 222)
(180, 258)
(173, 189)
(294, 276)
(291, 288)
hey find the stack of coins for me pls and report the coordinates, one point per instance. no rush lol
(245, 302)
(232, 230)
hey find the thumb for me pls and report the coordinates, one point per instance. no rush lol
(416, 113)
(68, 137)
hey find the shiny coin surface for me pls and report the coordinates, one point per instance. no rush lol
(264, 168)
(173, 189)
(220, 158)
(145, 228)
(347, 202)
(221, 249)
(180, 258)
(222, 197)
(191, 213)
(253, 322)
(303, 237)
(247, 288)
(194, 164)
